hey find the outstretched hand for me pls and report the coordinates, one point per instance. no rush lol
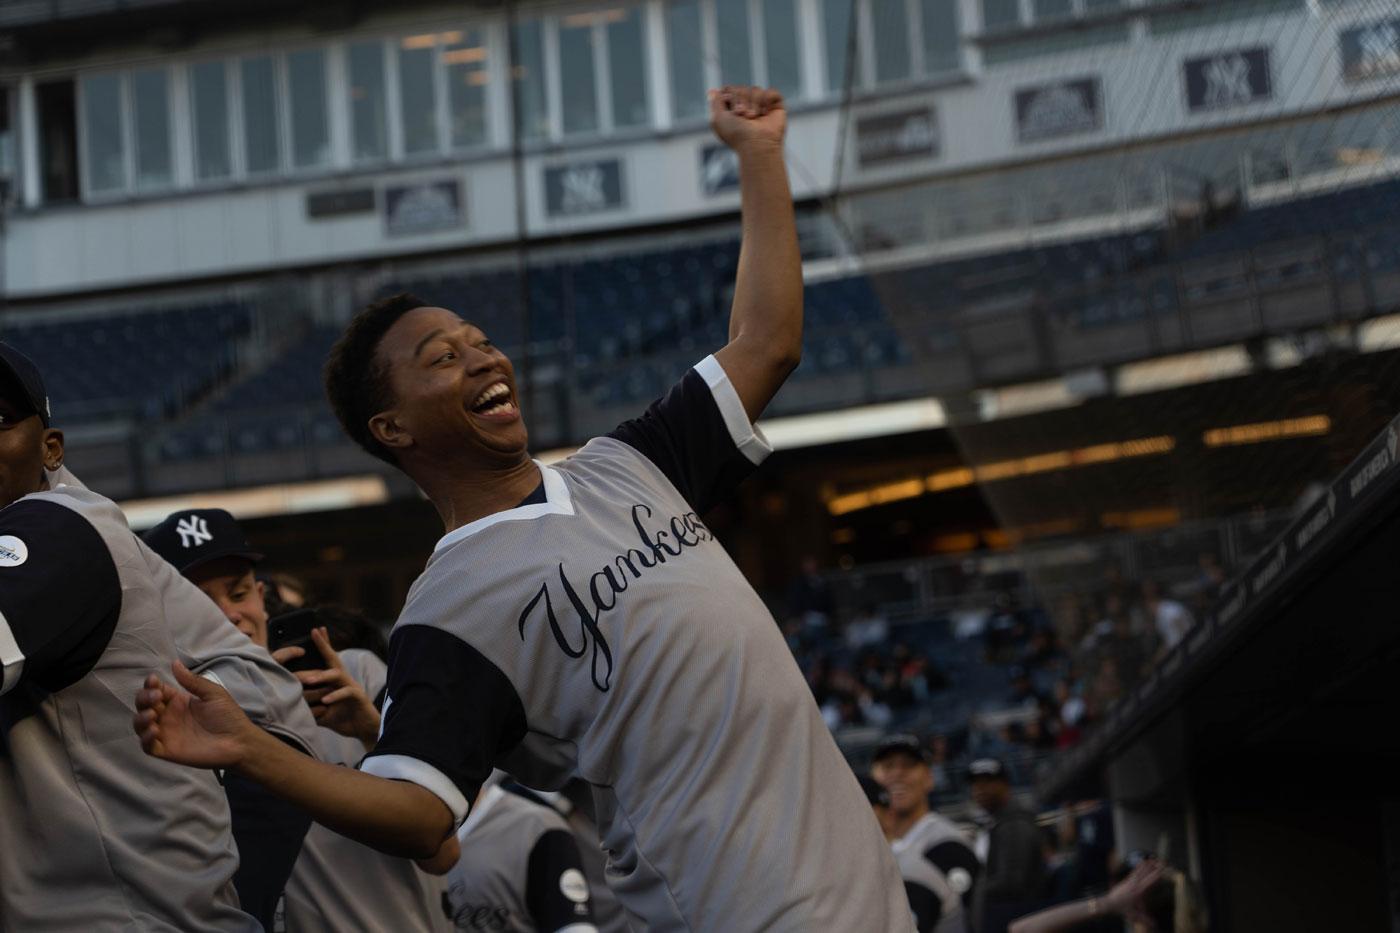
(337, 699)
(199, 725)
(744, 116)
(1126, 897)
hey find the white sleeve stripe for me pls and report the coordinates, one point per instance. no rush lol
(404, 768)
(578, 928)
(746, 436)
(11, 658)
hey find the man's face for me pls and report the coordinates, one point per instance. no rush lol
(230, 583)
(26, 449)
(908, 780)
(454, 392)
(989, 793)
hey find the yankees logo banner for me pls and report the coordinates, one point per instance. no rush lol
(423, 208)
(1061, 109)
(1371, 51)
(1228, 79)
(583, 187)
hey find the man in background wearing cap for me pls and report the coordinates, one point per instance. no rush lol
(936, 906)
(901, 766)
(1014, 884)
(94, 836)
(330, 882)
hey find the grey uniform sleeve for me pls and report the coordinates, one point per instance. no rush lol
(60, 595)
(556, 892)
(208, 645)
(699, 435)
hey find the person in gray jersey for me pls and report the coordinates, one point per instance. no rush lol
(96, 835)
(937, 907)
(519, 871)
(901, 766)
(580, 620)
(331, 883)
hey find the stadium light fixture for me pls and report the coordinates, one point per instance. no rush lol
(1262, 431)
(257, 502)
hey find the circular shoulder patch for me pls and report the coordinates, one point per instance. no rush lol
(960, 880)
(13, 551)
(574, 886)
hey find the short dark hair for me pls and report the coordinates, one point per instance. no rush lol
(357, 384)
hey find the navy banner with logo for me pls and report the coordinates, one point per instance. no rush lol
(719, 169)
(1065, 108)
(583, 187)
(425, 207)
(894, 137)
(1228, 79)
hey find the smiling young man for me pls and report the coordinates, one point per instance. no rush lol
(95, 835)
(580, 620)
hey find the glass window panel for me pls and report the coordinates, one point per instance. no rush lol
(1001, 14)
(1051, 9)
(260, 136)
(687, 59)
(735, 53)
(7, 138)
(780, 46)
(578, 83)
(1094, 6)
(466, 63)
(306, 82)
(890, 19)
(209, 114)
(531, 102)
(150, 97)
(836, 22)
(627, 69)
(369, 122)
(417, 96)
(102, 133)
(941, 36)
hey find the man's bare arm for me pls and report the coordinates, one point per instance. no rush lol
(765, 323)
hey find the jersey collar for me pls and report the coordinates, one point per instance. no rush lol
(559, 502)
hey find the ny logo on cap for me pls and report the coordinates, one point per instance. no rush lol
(193, 531)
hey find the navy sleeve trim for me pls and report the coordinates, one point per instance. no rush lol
(556, 891)
(959, 865)
(60, 595)
(928, 909)
(449, 713)
(699, 436)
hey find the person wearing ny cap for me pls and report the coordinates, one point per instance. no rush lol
(901, 765)
(324, 881)
(1014, 884)
(936, 907)
(94, 837)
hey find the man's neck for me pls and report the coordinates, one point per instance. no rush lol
(901, 824)
(464, 497)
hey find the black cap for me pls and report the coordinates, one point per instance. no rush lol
(20, 369)
(990, 768)
(874, 791)
(905, 744)
(196, 536)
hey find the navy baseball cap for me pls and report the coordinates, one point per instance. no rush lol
(902, 744)
(990, 769)
(196, 536)
(19, 369)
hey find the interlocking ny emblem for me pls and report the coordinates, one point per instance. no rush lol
(193, 531)
(1227, 81)
(583, 189)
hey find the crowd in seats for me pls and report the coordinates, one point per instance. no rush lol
(143, 364)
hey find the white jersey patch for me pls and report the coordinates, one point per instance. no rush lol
(13, 551)
(573, 886)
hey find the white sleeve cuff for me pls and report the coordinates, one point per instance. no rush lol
(746, 436)
(404, 768)
(11, 658)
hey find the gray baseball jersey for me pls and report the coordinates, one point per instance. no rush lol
(520, 870)
(600, 631)
(935, 839)
(96, 835)
(339, 884)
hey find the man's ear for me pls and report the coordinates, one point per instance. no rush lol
(53, 448)
(386, 429)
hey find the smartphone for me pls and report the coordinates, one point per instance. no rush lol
(293, 629)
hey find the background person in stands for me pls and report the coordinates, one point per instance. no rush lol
(1169, 618)
(331, 883)
(937, 907)
(901, 766)
(1014, 882)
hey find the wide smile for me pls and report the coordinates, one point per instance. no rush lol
(496, 404)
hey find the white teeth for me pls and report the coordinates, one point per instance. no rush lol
(499, 390)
